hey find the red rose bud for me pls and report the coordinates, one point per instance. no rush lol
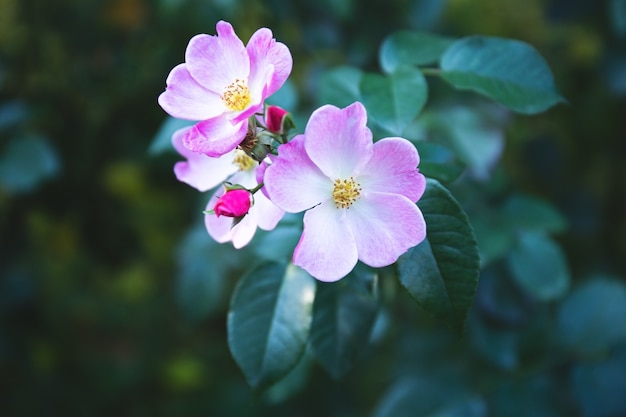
(234, 203)
(274, 118)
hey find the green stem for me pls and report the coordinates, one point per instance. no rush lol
(257, 188)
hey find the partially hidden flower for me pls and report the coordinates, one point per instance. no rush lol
(234, 203)
(222, 83)
(263, 214)
(200, 171)
(203, 173)
(359, 196)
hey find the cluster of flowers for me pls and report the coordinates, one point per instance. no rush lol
(359, 196)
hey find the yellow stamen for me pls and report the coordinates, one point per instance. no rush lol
(346, 192)
(243, 161)
(236, 95)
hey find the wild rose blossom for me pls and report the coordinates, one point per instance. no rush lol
(222, 83)
(359, 196)
(203, 173)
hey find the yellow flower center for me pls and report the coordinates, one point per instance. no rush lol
(243, 161)
(346, 192)
(236, 95)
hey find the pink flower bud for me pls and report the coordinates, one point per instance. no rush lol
(234, 203)
(274, 117)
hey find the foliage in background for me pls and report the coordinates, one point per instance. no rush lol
(104, 302)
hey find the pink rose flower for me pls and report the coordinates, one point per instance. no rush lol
(359, 196)
(222, 83)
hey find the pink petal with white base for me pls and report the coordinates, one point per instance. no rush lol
(393, 169)
(265, 52)
(216, 61)
(184, 98)
(293, 182)
(201, 171)
(267, 214)
(385, 226)
(327, 249)
(338, 141)
(216, 136)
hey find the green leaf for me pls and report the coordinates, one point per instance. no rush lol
(162, 141)
(343, 316)
(598, 387)
(539, 266)
(26, 162)
(477, 141)
(591, 319)
(441, 273)
(528, 213)
(438, 162)
(204, 267)
(497, 346)
(493, 233)
(415, 397)
(393, 101)
(340, 86)
(411, 48)
(269, 320)
(509, 71)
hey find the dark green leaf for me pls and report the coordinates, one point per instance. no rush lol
(474, 135)
(497, 346)
(413, 397)
(204, 267)
(340, 86)
(599, 387)
(536, 396)
(343, 315)
(539, 266)
(441, 273)
(493, 233)
(528, 213)
(509, 71)
(438, 162)
(591, 319)
(269, 320)
(26, 162)
(411, 48)
(294, 382)
(393, 101)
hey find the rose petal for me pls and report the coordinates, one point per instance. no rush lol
(338, 141)
(293, 182)
(327, 249)
(267, 214)
(184, 98)
(216, 61)
(265, 52)
(384, 227)
(201, 171)
(215, 136)
(393, 169)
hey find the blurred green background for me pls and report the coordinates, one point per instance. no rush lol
(94, 318)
